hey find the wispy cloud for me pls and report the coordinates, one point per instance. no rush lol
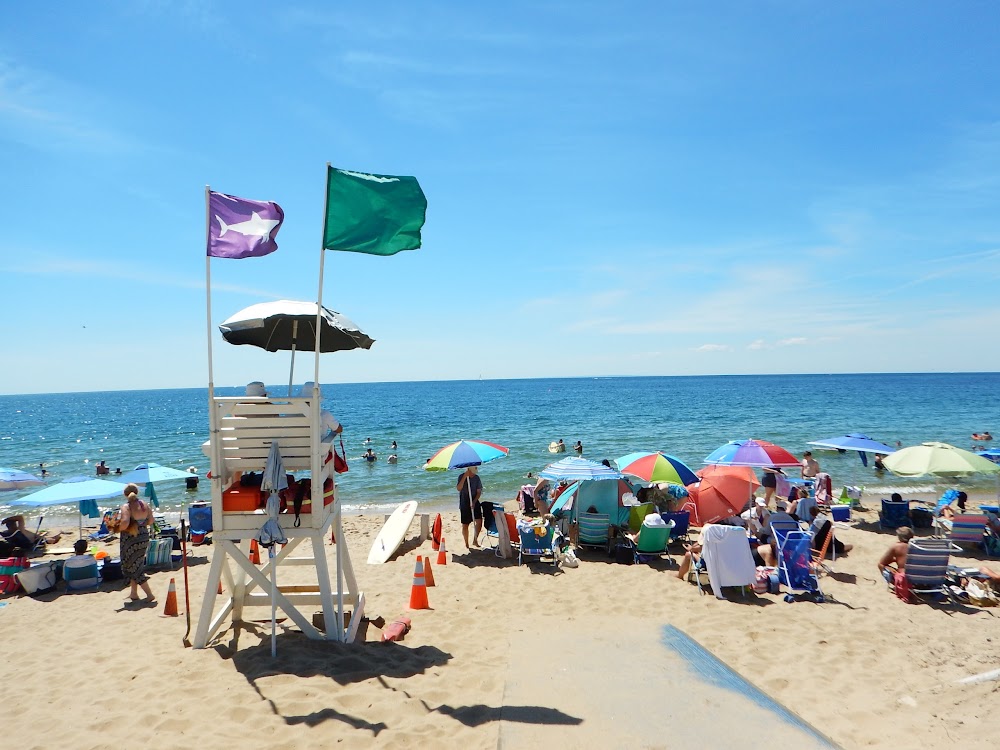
(713, 348)
(43, 112)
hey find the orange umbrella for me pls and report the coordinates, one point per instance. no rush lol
(720, 495)
(743, 472)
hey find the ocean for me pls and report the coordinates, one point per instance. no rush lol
(687, 417)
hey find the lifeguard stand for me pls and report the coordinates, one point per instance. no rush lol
(242, 430)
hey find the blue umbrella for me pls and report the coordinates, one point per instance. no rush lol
(993, 455)
(79, 490)
(13, 479)
(855, 441)
(150, 472)
(574, 469)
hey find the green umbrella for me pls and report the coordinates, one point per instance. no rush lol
(939, 460)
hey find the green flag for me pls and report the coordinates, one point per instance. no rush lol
(372, 213)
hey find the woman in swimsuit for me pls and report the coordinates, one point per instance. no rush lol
(136, 518)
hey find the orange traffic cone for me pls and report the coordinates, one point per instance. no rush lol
(436, 534)
(170, 608)
(442, 554)
(254, 552)
(418, 593)
(428, 573)
(220, 586)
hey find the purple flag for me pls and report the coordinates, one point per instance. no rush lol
(241, 228)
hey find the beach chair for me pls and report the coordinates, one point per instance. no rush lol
(795, 565)
(102, 533)
(533, 544)
(507, 538)
(652, 541)
(894, 514)
(490, 524)
(158, 553)
(927, 566)
(81, 575)
(594, 530)
(727, 558)
(682, 521)
(964, 528)
(200, 519)
(822, 541)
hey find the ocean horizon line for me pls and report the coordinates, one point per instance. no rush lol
(552, 377)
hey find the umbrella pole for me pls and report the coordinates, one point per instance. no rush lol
(291, 369)
(274, 593)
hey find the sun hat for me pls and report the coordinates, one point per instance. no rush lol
(760, 501)
(256, 389)
(306, 391)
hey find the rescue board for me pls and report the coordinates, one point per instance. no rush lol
(392, 533)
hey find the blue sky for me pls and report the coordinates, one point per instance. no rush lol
(614, 189)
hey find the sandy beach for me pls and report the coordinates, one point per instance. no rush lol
(508, 657)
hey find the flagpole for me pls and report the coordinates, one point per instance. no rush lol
(338, 528)
(208, 284)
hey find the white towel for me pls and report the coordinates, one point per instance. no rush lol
(726, 550)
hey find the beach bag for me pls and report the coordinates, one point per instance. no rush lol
(902, 588)
(991, 545)
(980, 593)
(762, 582)
(340, 459)
(9, 568)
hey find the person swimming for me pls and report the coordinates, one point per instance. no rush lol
(370, 455)
(982, 436)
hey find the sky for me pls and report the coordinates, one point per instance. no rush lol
(634, 188)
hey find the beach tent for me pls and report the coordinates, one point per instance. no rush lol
(603, 494)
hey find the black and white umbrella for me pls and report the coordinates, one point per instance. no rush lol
(289, 325)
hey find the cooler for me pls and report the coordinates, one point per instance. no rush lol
(841, 512)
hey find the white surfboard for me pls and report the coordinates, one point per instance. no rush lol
(392, 533)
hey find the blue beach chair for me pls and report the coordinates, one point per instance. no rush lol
(927, 566)
(682, 521)
(795, 568)
(533, 545)
(894, 514)
(81, 575)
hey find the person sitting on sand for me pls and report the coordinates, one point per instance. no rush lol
(822, 526)
(989, 574)
(894, 559)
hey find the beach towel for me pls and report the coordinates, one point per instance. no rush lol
(726, 552)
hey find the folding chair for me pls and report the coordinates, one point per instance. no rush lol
(490, 524)
(533, 544)
(894, 514)
(965, 528)
(727, 558)
(652, 541)
(795, 565)
(594, 530)
(927, 566)
(81, 575)
(682, 521)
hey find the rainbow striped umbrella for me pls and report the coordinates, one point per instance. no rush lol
(751, 453)
(655, 466)
(465, 453)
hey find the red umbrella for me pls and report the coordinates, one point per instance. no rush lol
(719, 495)
(743, 472)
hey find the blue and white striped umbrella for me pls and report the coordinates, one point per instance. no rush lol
(575, 469)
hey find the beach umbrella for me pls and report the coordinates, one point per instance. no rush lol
(939, 460)
(655, 466)
(744, 472)
(151, 472)
(465, 453)
(574, 469)
(289, 325)
(14, 479)
(855, 441)
(79, 490)
(271, 533)
(719, 496)
(751, 453)
(993, 454)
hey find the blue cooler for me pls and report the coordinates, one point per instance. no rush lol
(841, 512)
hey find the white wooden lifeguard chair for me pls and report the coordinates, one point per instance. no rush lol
(241, 432)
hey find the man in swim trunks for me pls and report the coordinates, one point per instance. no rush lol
(470, 489)
(810, 466)
(894, 559)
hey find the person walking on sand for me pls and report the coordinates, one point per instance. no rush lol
(470, 489)
(136, 518)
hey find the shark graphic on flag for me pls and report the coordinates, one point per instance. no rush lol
(242, 228)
